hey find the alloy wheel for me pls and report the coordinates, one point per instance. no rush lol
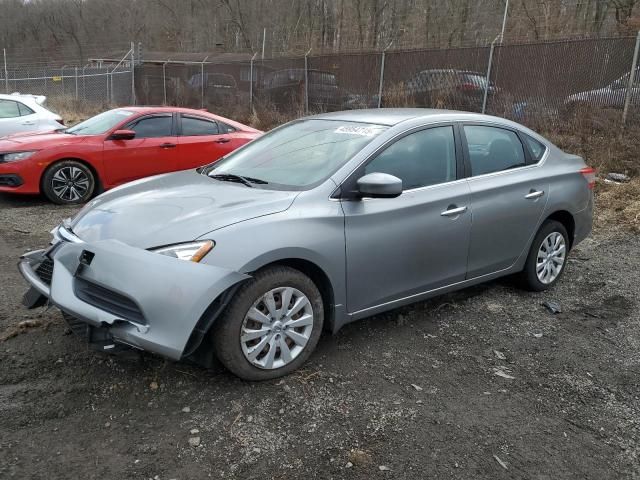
(551, 257)
(277, 328)
(70, 184)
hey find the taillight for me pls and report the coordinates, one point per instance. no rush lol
(589, 175)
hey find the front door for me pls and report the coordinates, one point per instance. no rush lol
(399, 247)
(508, 196)
(151, 152)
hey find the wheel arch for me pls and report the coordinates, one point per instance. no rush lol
(317, 276)
(89, 165)
(567, 220)
(199, 348)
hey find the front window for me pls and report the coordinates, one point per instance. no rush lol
(100, 124)
(299, 155)
(420, 159)
(153, 127)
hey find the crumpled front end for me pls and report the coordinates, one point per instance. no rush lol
(133, 296)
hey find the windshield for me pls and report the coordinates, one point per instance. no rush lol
(101, 123)
(298, 155)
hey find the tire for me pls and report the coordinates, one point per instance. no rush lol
(76, 176)
(227, 332)
(534, 272)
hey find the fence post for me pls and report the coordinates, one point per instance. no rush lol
(251, 82)
(384, 52)
(202, 81)
(133, 73)
(306, 82)
(486, 83)
(164, 82)
(76, 76)
(6, 72)
(62, 79)
(632, 77)
(84, 84)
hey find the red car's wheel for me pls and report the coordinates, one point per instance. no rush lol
(68, 182)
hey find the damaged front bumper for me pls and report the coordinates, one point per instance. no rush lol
(133, 296)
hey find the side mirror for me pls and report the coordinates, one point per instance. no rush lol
(123, 135)
(379, 185)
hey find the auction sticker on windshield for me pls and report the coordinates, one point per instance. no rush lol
(358, 130)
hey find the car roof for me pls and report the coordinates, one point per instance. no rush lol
(24, 97)
(394, 116)
(192, 111)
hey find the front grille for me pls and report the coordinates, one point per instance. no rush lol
(108, 300)
(45, 270)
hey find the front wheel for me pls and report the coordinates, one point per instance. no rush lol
(547, 257)
(68, 182)
(271, 326)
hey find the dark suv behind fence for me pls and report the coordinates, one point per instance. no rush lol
(285, 88)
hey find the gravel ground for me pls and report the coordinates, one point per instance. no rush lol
(484, 383)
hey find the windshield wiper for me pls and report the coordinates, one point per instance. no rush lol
(256, 180)
(230, 177)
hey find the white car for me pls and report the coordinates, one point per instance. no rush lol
(26, 114)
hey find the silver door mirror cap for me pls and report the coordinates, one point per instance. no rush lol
(379, 185)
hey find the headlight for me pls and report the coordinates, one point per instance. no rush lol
(15, 156)
(191, 252)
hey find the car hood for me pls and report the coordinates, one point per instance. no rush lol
(39, 140)
(173, 208)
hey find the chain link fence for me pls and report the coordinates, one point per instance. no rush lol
(541, 81)
(101, 85)
(528, 83)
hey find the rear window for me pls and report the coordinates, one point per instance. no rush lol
(478, 80)
(194, 126)
(24, 110)
(537, 149)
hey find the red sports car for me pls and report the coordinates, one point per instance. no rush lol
(115, 147)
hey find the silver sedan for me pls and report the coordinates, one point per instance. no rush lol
(323, 221)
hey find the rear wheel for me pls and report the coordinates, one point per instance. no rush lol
(68, 182)
(271, 326)
(547, 257)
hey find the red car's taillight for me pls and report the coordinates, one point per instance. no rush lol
(469, 87)
(589, 175)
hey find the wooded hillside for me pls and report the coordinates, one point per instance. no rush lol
(77, 28)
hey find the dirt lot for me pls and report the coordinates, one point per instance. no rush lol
(485, 383)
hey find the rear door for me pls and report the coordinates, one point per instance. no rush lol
(152, 151)
(203, 140)
(508, 195)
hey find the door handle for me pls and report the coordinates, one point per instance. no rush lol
(453, 211)
(28, 122)
(168, 145)
(223, 140)
(533, 194)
